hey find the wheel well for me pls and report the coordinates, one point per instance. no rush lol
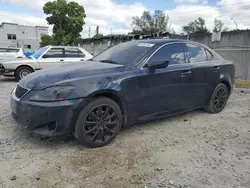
(117, 99)
(228, 85)
(24, 66)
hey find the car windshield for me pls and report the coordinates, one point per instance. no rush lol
(39, 52)
(125, 53)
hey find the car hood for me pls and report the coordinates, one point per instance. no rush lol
(68, 74)
(17, 61)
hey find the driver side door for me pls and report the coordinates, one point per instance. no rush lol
(165, 91)
(53, 57)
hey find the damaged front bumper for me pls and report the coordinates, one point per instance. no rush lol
(46, 118)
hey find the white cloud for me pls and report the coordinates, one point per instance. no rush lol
(105, 13)
(190, 1)
(239, 11)
(226, 9)
(23, 19)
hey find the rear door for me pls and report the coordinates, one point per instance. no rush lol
(206, 73)
(53, 57)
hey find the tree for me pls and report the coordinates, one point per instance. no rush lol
(219, 26)
(98, 35)
(67, 18)
(149, 24)
(46, 40)
(197, 26)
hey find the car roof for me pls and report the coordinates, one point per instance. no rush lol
(64, 46)
(162, 41)
(10, 48)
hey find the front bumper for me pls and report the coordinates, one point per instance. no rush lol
(6, 72)
(47, 118)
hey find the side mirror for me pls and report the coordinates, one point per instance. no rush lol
(161, 64)
(45, 56)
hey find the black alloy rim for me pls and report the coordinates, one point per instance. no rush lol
(220, 99)
(101, 123)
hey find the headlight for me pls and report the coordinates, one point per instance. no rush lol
(57, 93)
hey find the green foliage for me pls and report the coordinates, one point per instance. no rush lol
(46, 40)
(98, 36)
(219, 26)
(149, 24)
(67, 18)
(197, 26)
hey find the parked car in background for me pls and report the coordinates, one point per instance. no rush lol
(128, 83)
(45, 57)
(7, 53)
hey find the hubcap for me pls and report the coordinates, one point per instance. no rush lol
(24, 73)
(220, 99)
(101, 123)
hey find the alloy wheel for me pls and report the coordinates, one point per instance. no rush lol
(101, 123)
(220, 99)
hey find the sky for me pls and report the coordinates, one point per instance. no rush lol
(117, 14)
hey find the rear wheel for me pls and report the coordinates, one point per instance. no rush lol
(22, 72)
(219, 99)
(98, 123)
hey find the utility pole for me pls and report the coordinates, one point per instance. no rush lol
(235, 23)
(97, 30)
(89, 31)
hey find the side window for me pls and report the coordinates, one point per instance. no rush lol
(55, 53)
(81, 54)
(3, 50)
(196, 53)
(172, 52)
(71, 53)
(12, 50)
(209, 55)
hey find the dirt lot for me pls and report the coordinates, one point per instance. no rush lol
(196, 149)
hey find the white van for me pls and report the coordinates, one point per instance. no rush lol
(7, 53)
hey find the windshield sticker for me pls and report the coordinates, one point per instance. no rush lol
(147, 45)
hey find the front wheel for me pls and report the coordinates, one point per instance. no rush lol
(98, 123)
(219, 99)
(22, 72)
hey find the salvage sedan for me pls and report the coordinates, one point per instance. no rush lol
(132, 82)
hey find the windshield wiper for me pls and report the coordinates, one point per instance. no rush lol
(108, 61)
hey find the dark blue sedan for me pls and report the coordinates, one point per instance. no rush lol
(128, 83)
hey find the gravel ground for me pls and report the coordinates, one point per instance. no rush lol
(192, 150)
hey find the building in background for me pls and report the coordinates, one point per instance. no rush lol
(21, 36)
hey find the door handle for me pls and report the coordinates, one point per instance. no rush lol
(82, 60)
(186, 73)
(216, 67)
(61, 60)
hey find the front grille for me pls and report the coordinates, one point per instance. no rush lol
(20, 91)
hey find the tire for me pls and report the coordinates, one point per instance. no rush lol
(22, 72)
(101, 117)
(218, 99)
